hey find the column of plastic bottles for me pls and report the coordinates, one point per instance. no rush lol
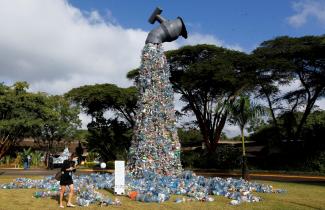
(155, 146)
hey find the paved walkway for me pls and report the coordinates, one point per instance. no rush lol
(41, 172)
(268, 176)
(253, 175)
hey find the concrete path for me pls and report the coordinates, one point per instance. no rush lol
(41, 172)
(267, 176)
(253, 175)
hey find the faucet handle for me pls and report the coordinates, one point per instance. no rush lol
(156, 16)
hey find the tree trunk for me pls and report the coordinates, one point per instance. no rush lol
(307, 111)
(245, 173)
(275, 122)
(243, 141)
(5, 145)
(4, 148)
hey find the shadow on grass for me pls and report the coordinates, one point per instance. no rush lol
(304, 205)
(57, 199)
(313, 183)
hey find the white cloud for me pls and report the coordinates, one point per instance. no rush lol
(232, 130)
(85, 119)
(296, 84)
(306, 10)
(321, 103)
(197, 38)
(55, 46)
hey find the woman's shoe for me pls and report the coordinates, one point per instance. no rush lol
(61, 206)
(70, 205)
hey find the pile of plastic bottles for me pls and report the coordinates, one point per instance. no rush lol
(44, 194)
(157, 188)
(85, 187)
(150, 188)
(27, 183)
(154, 170)
(155, 146)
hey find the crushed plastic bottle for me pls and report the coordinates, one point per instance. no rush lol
(234, 202)
(180, 200)
(85, 187)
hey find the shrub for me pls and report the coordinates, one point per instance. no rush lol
(189, 158)
(91, 164)
(92, 156)
(110, 165)
(36, 158)
(316, 163)
(7, 160)
(225, 157)
(18, 161)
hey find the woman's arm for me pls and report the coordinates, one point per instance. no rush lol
(65, 166)
(73, 166)
(69, 166)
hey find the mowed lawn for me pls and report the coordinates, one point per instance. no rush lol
(299, 196)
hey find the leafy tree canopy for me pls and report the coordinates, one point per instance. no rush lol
(110, 138)
(208, 78)
(60, 120)
(302, 59)
(99, 98)
(25, 114)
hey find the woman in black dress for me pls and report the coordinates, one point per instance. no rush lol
(67, 169)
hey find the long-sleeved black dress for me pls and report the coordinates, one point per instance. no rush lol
(66, 177)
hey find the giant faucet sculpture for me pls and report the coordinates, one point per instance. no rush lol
(168, 31)
(155, 146)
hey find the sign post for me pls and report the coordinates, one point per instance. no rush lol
(119, 177)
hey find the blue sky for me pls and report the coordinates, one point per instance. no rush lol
(57, 45)
(235, 24)
(246, 23)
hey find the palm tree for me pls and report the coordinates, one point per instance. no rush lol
(242, 112)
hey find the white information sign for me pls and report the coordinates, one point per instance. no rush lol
(119, 177)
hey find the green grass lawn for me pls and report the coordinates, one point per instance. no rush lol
(299, 196)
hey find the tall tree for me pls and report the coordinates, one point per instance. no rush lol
(242, 112)
(303, 59)
(37, 115)
(19, 114)
(267, 88)
(100, 98)
(110, 138)
(60, 121)
(208, 78)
